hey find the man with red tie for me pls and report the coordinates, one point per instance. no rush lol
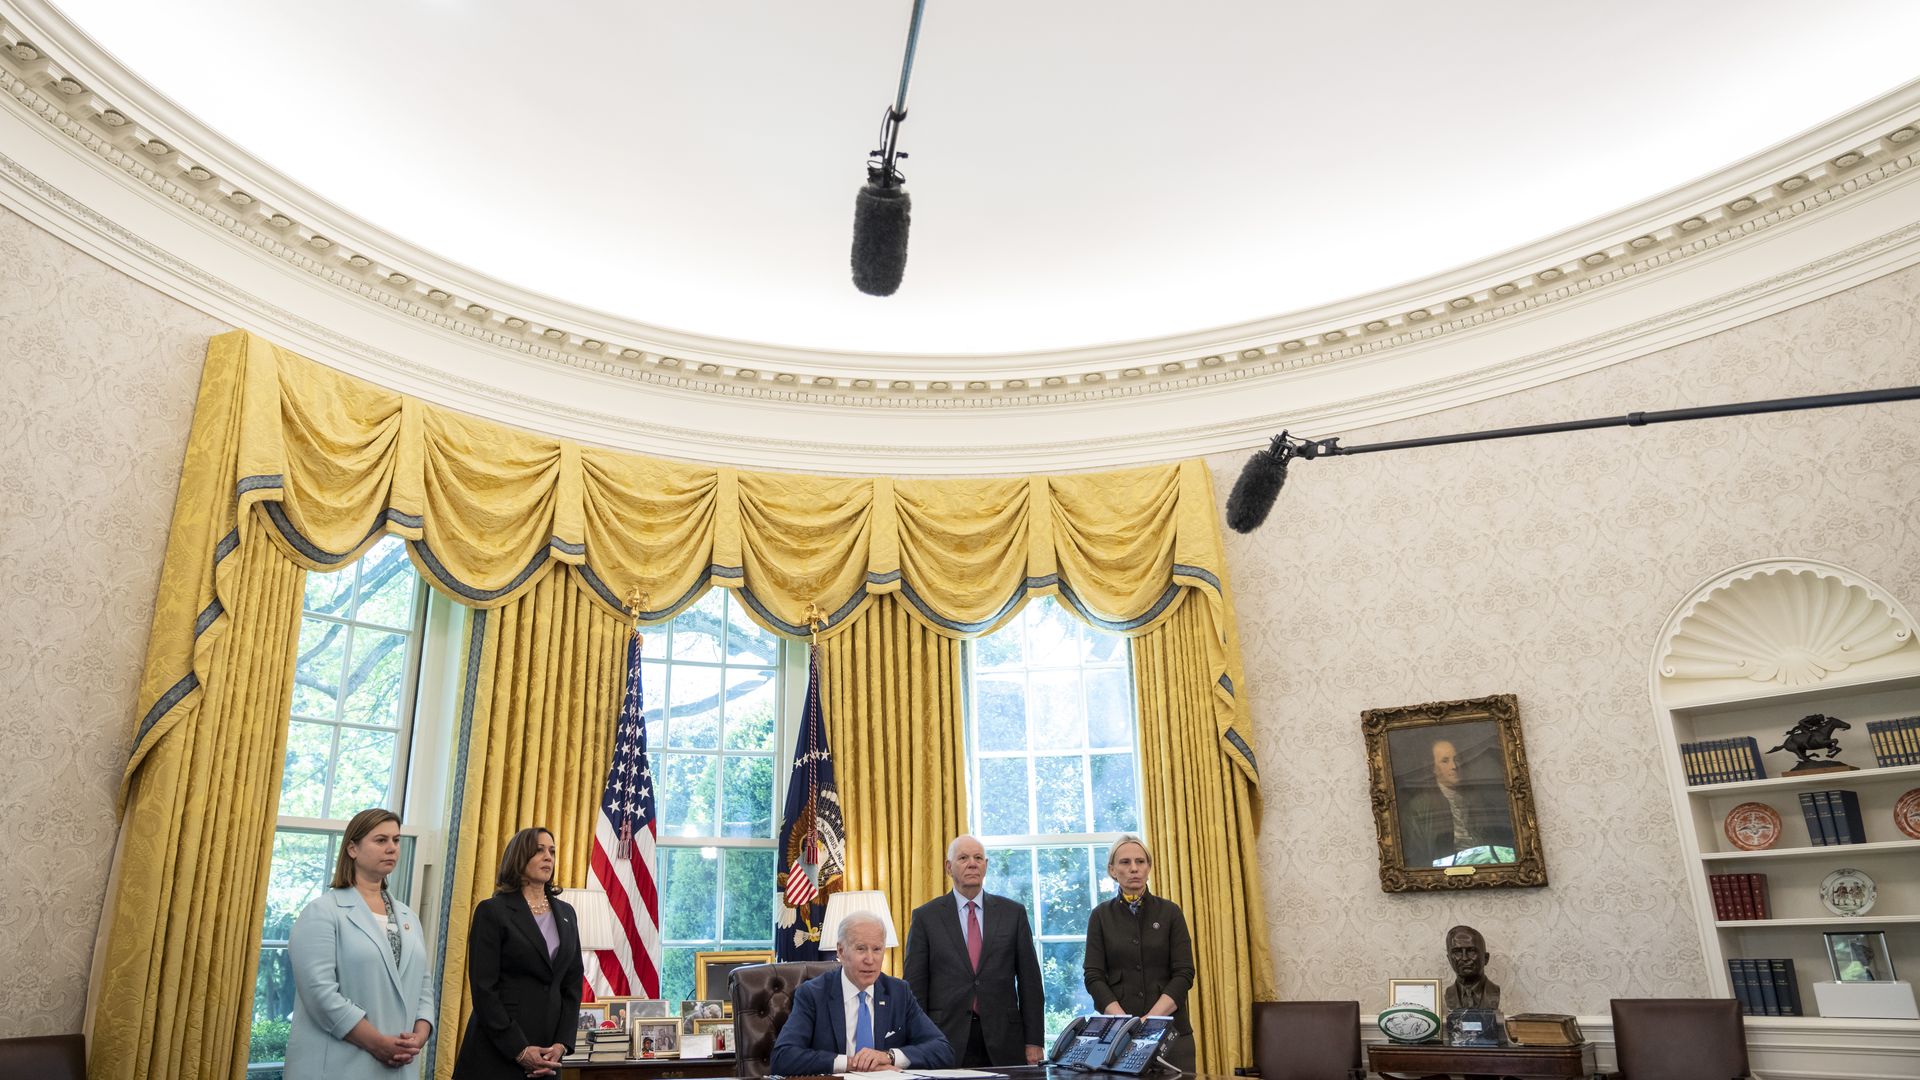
(972, 965)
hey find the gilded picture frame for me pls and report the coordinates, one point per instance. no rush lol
(711, 970)
(1452, 797)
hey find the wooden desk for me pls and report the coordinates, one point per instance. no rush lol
(1436, 1062)
(651, 1069)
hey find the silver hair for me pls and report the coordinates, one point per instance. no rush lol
(1113, 850)
(853, 921)
(953, 845)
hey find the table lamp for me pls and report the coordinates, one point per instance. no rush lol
(842, 904)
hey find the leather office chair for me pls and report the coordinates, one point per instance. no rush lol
(1679, 1038)
(45, 1057)
(762, 998)
(1307, 1040)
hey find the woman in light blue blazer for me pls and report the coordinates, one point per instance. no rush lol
(363, 990)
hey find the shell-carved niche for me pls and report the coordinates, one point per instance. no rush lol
(1788, 624)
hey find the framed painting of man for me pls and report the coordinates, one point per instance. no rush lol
(1452, 800)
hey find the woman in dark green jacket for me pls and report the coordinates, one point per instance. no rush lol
(1139, 955)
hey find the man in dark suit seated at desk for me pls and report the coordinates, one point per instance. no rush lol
(857, 1019)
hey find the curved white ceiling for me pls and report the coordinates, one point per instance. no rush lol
(1082, 172)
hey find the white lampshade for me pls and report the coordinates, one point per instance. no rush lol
(842, 904)
(595, 915)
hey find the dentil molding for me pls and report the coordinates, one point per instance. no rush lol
(91, 153)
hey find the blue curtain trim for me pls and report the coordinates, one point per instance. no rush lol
(1226, 683)
(1246, 751)
(601, 589)
(468, 592)
(207, 615)
(1183, 570)
(168, 700)
(255, 483)
(565, 548)
(228, 545)
(476, 641)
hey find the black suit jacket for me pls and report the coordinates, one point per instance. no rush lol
(1007, 986)
(520, 997)
(1133, 959)
(816, 1030)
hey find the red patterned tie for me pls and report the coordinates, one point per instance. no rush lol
(973, 943)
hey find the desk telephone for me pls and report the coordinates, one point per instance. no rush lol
(1111, 1043)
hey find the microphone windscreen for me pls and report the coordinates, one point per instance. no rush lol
(880, 216)
(1254, 493)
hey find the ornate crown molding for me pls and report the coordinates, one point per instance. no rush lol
(54, 77)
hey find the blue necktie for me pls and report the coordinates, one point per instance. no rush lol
(863, 1026)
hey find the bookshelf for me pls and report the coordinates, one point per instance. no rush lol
(1746, 655)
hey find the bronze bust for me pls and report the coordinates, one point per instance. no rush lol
(1467, 954)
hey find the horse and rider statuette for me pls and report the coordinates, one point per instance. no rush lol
(1811, 735)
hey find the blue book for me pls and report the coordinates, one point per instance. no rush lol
(1788, 986)
(1742, 986)
(1769, 990)
(1829, 834)
(1808, 811)
(1846, 817)
(1757, 767)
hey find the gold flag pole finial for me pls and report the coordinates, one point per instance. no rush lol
(816, 621)
(637, 601)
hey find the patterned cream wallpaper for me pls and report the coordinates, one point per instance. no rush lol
(97, 380)
(1544, 567)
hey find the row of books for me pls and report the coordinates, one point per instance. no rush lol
(1722, 761)
(1895, 742)
(1738, 896)
(1833, 817)
(1765, 987)
(607, 1044)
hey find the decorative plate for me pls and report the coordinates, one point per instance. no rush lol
(1409, 1023)
(1752, 826)
(1906, 814)
(1847, 892)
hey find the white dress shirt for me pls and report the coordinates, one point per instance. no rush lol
(850, 1000)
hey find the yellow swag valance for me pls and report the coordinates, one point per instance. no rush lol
(333, 463)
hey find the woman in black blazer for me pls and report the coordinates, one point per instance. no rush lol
(1139, 954)
(523, 963)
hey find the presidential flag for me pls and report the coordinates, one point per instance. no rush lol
(812, 848)
(623, 854)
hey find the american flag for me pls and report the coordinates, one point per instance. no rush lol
(812, 847)
(623, 857)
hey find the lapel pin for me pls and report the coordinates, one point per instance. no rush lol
(1156, 926)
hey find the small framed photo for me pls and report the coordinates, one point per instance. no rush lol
(721, 1028)
(654, 1038)
(1422, 992)
(1859, 956)
(592, 1015)
(695, 1046)
(622, 1009)
(694, 1009)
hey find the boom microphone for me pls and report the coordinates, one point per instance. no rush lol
(1259, 485)
(881, 213)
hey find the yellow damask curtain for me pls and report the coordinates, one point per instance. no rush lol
(1202, 814)
(892, 690)
(321, 465)
(544, 677)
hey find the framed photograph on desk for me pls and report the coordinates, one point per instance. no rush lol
(711, 970)
(1452, 799)
(1422, 992)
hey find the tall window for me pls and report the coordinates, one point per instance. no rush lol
(712, 686)
(348, 726)
(1051, 737)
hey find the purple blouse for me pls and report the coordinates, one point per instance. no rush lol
(549, 930)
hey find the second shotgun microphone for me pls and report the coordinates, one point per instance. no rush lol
(881, 213)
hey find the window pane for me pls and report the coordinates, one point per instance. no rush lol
(999, 649)
(1065, 896)
(653, 640)
(272, 1006)
(328, 594)
(1003, 797)
(316, 674)
(1062, 973)
(300, 871)
(694, 722)
(303, 784)
(1010, 873)
(676, 973)
(1113, 801)
(749, 893)
(375, 669)
(749, 798)
(1059, 788)
(688, 788)
(653, 700)
(1053, 709)
(386, 585)
(747, 643)
(749, 708)
(1000, 715)
(697, 630)
(689, 881)
(363, 776)
(1053, 636)
(1109, 707)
